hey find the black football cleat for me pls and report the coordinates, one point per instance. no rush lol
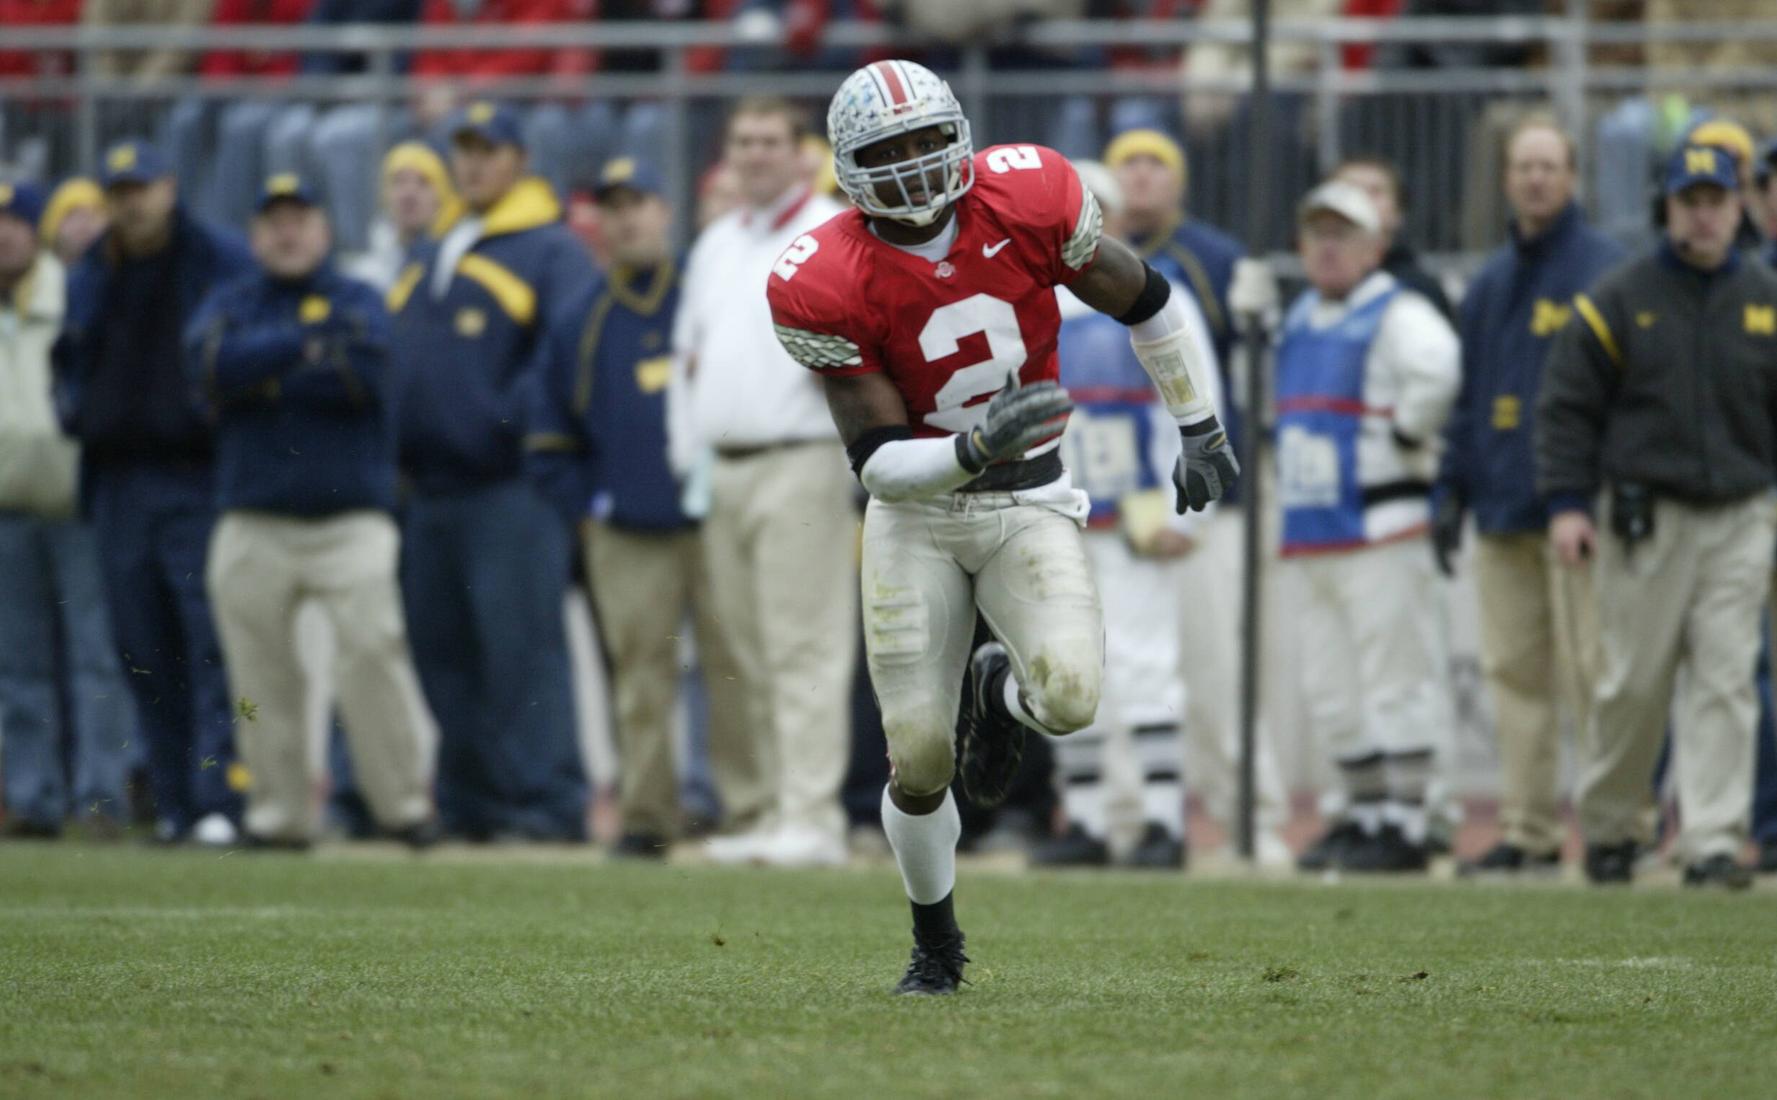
(1509, 860)
(1389, 852)
(1722, 871)
(1328, 852)
(935, 969)
(1158, 850)
(1611, 864)
(421, 835)
(993, 741)
(1074, 848)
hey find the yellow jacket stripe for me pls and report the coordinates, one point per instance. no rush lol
(403, 288)
(1595, 321)
(516, 297)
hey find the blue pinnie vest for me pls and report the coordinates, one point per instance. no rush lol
(1109, 445)
(1320, 415)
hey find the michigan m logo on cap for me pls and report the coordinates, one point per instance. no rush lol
(1701, 161)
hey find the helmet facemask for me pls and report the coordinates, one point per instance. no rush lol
(953, 165)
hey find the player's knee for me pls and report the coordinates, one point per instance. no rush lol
(921, 753)
(1063, 695)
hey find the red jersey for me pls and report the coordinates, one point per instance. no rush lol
(948, 333)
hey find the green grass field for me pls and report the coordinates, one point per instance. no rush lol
(137, 973)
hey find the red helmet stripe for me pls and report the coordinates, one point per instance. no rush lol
(890, 77)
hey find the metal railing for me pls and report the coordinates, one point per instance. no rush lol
(1410, 113)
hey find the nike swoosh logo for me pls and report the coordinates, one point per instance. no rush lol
(992, 250)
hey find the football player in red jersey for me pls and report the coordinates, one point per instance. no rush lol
(929, 313)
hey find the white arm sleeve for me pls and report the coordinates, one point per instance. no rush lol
(908, 469)
(1173, 359)
(1165, 444)
(1423, 353)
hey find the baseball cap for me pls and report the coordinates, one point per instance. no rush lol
(492, 122)
(1347, 200)
(285, 187)
(1723, 133)
(1145, 143)
(133, 161)
(636, 175)
(23, 201)
(1700, 164)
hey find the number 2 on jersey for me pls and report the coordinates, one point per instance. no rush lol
(942, 336)
(795, 256)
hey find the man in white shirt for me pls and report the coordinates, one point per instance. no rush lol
(1367, 371)
(751, 434)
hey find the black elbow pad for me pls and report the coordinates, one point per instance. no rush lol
(861, 448)
(1151, 300)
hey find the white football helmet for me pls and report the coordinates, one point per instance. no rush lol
(889, 98)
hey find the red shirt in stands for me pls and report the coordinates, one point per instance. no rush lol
(948, 333)
(37, 13)
(247, 13)
(493, 64)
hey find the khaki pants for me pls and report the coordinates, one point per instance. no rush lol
(781, 546)
(261, 569)
(1539, 643)
(1687, 599)
(644, 585)
(928, 565)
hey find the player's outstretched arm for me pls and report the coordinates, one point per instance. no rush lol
(1119, 283)
(892, 465)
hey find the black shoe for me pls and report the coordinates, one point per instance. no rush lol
(1074, 848)
(421, 835)
(1767, 857)
(935, 969)
(1609, 864)
(1509, 859)
(993, 742)
(1388, 852)
(1158, 850)
(1329, 851)
(646, 846)
(255, 843)
(1719, 870)
(21, 828)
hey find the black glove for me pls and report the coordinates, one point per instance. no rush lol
(1018, 417)
(1206, 466)
(1446, 530)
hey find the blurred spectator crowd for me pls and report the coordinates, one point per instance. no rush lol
(455, 501)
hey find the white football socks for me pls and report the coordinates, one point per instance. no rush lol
(925, 848)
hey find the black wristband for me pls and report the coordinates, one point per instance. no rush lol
(1202, 427)
(1150, 301)
(965, 453)
(865, 445)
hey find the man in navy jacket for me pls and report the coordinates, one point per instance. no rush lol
(146, 477)
(1538, 628)
(486, 562)
(598, 449)
(292, 361)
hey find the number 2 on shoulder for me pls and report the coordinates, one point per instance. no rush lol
(1014, 158)
(795, 256)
